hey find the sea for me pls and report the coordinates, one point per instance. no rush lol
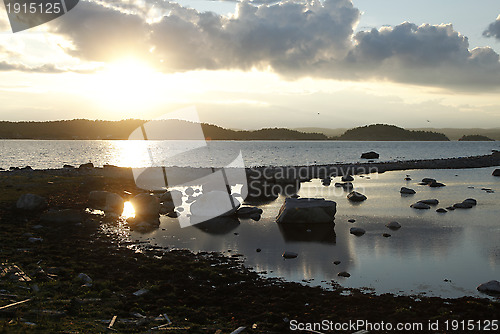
(41, 154)
(432, 254)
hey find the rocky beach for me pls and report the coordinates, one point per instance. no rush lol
(65, 269)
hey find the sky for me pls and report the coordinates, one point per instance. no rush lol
(260, 63)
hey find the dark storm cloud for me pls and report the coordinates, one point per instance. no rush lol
(493, 29)
(294, 39)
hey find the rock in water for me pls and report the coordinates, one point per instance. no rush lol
(106, 201)
(370, 155)
(432, 201)
(344, 274)
(347, 186)
(357, 231)
(420, 206)
(247, 211)
(441, 210)
(393, 225)
(290, 255)
(470, 201)
(347, 178)
(31, 202)
(215, 204)
(354, 196)
(407, 191)
(490, 287)
(147, 212)
(428, 180)
(307, 210)
(496, 172)
(463, 205)
(436, 184)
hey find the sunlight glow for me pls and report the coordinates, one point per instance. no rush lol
(128, 210)
(129, 85)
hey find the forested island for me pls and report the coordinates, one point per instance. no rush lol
(175, 129)
(384, 132)
(475, 138)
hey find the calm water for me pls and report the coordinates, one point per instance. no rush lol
(437, 254)
(56, 153)
(460, 247)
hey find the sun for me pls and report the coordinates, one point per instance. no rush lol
(128, 85)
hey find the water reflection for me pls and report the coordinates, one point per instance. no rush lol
(322, 233)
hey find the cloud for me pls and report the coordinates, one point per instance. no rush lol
(100, 33)
(294, 39)
(426, 54)
(493, 29)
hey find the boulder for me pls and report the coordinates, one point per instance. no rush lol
(428, 180)
(436, 184)
(496, 172)
(441, 210)
(146, 206)
(463, 205)
(106, 201)
(307, 210)
(246, 211)
(289, 255)
(471, 201)
(357, 231)
(393, 225)
(407, 191)
(354, 196)
(167, 208)
(215, 203)
(171, 196)
(370, 155)
(492, 287)
(432, 201)
(420, 206)
(66, 216)
(347, 178)
(31, 202)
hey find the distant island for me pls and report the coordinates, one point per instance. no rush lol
(475, 138)
(384, 132)
(94, 130)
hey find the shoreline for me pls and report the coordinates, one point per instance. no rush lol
(200, 292)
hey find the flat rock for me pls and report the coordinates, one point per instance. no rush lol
(357, 231)
(393, 225)
(307, 210)
(408, 191)
(354, 196)
(345, 185)
(344, 274)
(246, 211)
(428, 180)
(370, 155)
(420, 206)
(215, 203)
(441, 210)
(436, 184)
(289, 255)
(386, 235)
(490, 287)
(432, 201)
